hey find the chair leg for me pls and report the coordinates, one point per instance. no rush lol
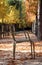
(14, 44)
(33, 51)
(31, 45)
(14, 48)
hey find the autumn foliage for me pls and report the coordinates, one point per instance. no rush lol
(9, 13)
(31, 10)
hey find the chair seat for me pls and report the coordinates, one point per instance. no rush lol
(21, 40)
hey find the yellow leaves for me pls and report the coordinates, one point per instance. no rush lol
(31, 17)
(12, 16)
(8, 17)
(31, 10)
(27, 5)
(0, 20)
(3, 9)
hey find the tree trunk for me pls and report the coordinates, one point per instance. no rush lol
(41, 19)
(2, 28)
(38, 21)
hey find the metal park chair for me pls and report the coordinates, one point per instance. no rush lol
(32, 42)
(13, 33)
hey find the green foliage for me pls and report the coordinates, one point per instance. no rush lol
(11, 2)
(23, 14)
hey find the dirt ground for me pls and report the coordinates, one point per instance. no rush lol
(22, 53)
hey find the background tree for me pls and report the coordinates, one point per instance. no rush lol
(31, 10)
(12, 16)
(3, 12)
(19, 7)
